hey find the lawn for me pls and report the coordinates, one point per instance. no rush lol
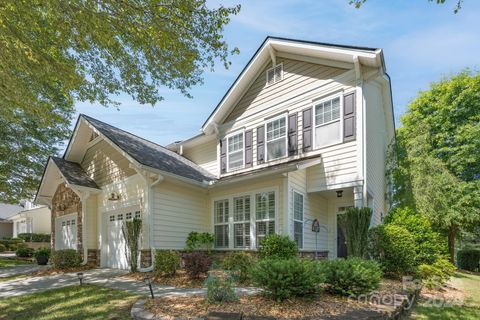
(12, 262)
(74, 302)
(470, 286)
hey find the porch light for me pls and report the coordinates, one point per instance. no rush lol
(113, 196)
(148, 281)
(80, 277)
(339, 193)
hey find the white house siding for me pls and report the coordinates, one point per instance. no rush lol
(315, 207)
(38, 219)
(376, 145)
(205, 155)
(178, 210)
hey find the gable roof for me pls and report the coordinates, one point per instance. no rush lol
(324, 51)
(73, 173)
(149, 153)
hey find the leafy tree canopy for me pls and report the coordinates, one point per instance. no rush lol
(57, 52)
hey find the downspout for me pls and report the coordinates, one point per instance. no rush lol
(150, 224)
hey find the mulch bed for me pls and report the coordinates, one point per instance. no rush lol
(179, 280)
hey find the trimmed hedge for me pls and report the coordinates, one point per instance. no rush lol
(11, 244)
(35, 237)
(166, 262)
(275, 246)
(64, 259)
(468, 259)
(24, 252)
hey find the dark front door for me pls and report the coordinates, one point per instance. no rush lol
(341, 244)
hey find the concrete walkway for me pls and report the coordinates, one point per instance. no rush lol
(20, 270)
(110, 278)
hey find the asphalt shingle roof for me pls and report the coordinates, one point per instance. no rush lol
(151, 154)
(74, 174)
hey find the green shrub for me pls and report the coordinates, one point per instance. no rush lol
(468, 259)
(11, 244)
(436, 274)
(196, 263)
(240, 263)
(429, 245)
(285, 278)
(275, 246)
(220, 289)
(355, 223)
(3, 248)
(42, 252)
(394, 248)
(64, 259)
(352, 276)
(199, 241)
(24, 252)
(166, 262)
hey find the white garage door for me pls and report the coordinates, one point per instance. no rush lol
(66, 232)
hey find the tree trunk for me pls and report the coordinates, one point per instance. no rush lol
(452, 231)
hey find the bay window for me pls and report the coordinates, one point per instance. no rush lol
(276, 138)
(221, 223)
(298, 218)
(264, 215)
(235, 152)
(328, 122)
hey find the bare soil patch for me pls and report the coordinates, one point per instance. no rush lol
(179, 280)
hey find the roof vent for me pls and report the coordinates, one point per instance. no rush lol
(275, 74)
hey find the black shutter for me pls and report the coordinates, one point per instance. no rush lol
(292, 134)
(223, 155)
(248, 148)
(260, 144)
(349, 117)
(307, 129)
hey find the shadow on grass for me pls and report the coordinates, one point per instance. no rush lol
(441, 313)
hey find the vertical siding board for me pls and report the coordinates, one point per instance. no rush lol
(260, 144)
(307, 129)
(292, 134)
(248, 148)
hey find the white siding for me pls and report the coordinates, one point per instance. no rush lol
(205, 155)
(376, 146)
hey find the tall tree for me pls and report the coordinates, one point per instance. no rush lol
(437, 164)
(56, 52)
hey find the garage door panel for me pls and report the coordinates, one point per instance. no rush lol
(66, 232)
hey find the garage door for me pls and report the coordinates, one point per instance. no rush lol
(66, 232)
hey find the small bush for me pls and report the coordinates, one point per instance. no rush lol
(220, 289)
(468, 259)
(199, 241)
(285, 278)
(24, 252)
(34, 237)
(166, 263)
(437, 274)
(276, 246)
(196, 263)
(11, 244)
(42, 252)
(355, 222)
(64, 259)
(3, 248)
(352, 276)
(394, 248)
(240, 263)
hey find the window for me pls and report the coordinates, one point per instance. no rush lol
(120, 217)
(241, 218)
(264, 215)
(276, 136)
(275, 74)
(73, 222)
(298, 218)
(128, 216)
(137, 215)
(327, 122)
(235, 151)
(221, 223)
(112, 218)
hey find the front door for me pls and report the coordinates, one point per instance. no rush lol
(341, 243)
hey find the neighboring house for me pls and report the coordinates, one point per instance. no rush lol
(301, 135)
(6, 226)
(32, 219)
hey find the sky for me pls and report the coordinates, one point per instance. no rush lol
(422, 43)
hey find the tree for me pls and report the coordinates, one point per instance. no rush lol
(57, 52)
(458, 6)
(355, 223)
(131, 231)
(436, 167)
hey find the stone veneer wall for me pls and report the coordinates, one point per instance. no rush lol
(145, 258)
(93, 257)
(66, 201)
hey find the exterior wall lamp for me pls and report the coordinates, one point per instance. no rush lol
(339, 193)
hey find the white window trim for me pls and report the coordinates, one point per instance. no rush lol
(274, 79)
(224, 223)
(229, 197)
(267, 121)
(237, 132)
(242, 221)
(303, 216)
(314, 104)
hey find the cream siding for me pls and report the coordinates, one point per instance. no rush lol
(205, 155)
(91, 217)
(376, 146)
(105, 165)
(40, 219)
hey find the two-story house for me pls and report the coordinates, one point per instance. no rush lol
(300, 135)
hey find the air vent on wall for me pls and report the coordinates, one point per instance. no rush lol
(275, 74)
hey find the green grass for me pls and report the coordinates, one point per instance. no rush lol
(470, 310)
(74, 302)
(12, 262)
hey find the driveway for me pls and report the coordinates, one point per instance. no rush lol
(110, 278)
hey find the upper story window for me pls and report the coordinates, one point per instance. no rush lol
(275, 74)
(328, 127)
(276, 138)
(235, 152)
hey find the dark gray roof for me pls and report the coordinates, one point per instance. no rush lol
(151, 154)
(73, 173)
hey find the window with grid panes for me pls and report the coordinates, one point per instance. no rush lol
(327, 122)
(221, 216)
(235, 151)
(241, 221)
(276, 136)
(264, 215)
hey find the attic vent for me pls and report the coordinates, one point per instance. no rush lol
(93, 136)
(275, 74)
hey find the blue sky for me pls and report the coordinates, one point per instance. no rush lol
(422, 42)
